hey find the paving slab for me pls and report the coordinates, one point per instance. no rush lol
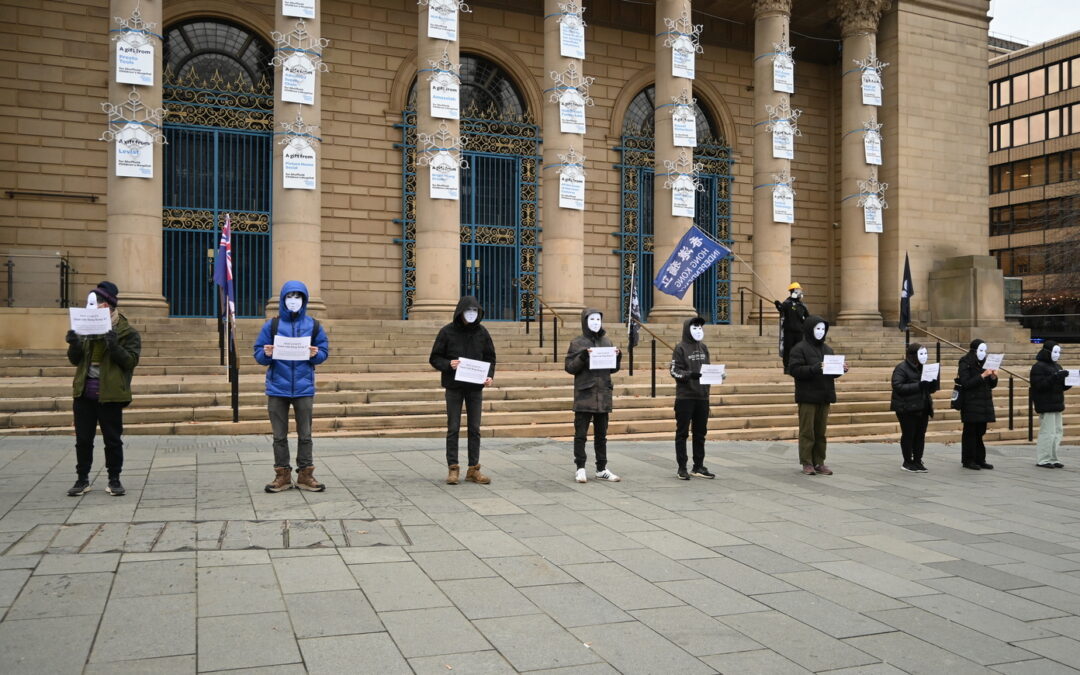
(694, 631)
(245, 641)
(328, 613)
(487, 598)
(395, 586)
(428, 632)
(60, 595)
(240, 589)
(344, 653)
(534, 641)
(632, 647)
(30, 646)
(803, 644)
(146, 627)
(574, 605)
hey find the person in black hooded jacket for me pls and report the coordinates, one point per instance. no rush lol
(913, 405)
(691, 397)
(977, 404)
(1048, 396)
(814, 392)
(463, 337)
(592, 394)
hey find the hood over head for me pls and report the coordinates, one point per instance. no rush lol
(911, 354)
(975, 346)
(292, 287)
(468, 302)
(808, 328)
(585, 321)
(1044, 353)
(692, 321)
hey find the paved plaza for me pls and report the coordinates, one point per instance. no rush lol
(763, 570)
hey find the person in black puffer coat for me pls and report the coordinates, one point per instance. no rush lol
(814, 392)
(592, 394)
(977, 404)
(463, 337)
(1048, 396)
(691, 397)
(913, 405)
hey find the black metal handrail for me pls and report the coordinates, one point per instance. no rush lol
(64, 274)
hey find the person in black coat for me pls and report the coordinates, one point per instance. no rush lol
(1048, 396)
(593, 400)
(691, 398)
(977, 404)
(463, 337)
(814, 392)
(793, 313)
(913, 405)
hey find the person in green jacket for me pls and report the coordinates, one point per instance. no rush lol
(101, 390)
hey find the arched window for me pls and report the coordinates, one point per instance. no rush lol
(207, 46)
(641, 115)
(486, 89)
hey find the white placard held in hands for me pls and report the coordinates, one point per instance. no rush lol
(993, 361)
(930, 372)
(471, 370)
(292, 348)
(712, 373)
(602, 357)
(1073, 378)
(834, 364)
(90, 321)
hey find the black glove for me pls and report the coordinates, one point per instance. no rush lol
(110, 339)
(926, 385)
(695, 376)
(1062, 374)
(72, 337)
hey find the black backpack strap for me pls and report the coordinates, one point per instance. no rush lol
(274, 328)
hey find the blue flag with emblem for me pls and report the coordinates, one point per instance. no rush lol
(695, 253)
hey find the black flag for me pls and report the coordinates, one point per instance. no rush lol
(906, 291)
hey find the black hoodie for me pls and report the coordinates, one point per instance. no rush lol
(977, 400)
(805, 362)
(1047, 381)
(457, 340)
(687, 359)
(907, 394)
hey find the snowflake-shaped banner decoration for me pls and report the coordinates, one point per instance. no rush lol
(444, 67)
(683, 27)
(442, 141)
(573, 163)
(871, 63)
(571, 12)
(785, 181)
(299, 41)
(447, 5)
(134, 30)
(133, 112)
(783, 114)
(571, 79)
(870, 189)
(299, 129)
(683, 167)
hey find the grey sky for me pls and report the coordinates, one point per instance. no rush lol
(1034, 21)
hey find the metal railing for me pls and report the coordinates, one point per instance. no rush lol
(28, 275)
(761, 308)
(556, 319)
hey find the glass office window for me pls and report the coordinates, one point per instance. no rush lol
(1020, 131)
(1037, 83)
(1020, 88)
(1037, 127)
(1053, 124)
(1053, 78)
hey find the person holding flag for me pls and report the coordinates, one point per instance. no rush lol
(793, 314)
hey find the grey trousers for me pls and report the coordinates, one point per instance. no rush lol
(278, 408)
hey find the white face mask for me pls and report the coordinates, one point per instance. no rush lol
(595, 322)
(819, 331)
(293, 303)
(1055, 353)
(91, 301)
(470, 315)
(697, 332)
(794, 295)
(980, 352)
(922, 355)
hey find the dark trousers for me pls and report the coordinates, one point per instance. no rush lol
(972, 450)
(912, 434)
(278, 409)
(581, 431)
(791, 338)
(813, 425)
(110, 416)
(474, 402)
(691, 413)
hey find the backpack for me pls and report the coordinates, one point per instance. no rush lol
(277, 319)
(957, 402)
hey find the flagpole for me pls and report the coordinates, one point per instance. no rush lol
(630, 312)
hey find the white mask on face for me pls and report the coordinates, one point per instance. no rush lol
(922, 355)
(470, 315)
(594, 322)
(819, 331)
(1055, 353)
(293, 303)
(91, 301)
(794, 295)
(697, 332)
(980, 352)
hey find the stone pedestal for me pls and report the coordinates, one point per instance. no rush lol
(967, 291)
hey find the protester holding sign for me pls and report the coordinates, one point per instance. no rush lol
(291, 382)
(101, 390)
(464, 340)
(977, 404)
(913, 405)
(814, 392)
(1048, 396)
(691, 397)
(592, 394)
(793, 314)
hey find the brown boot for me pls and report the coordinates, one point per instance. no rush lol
(305, 480)
(475, 476)
(282, 480)
(452, 477)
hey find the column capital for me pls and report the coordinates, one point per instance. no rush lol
(859, 16)
(765, 7)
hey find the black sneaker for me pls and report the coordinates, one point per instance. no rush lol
(702, 473)
(81, 487)
(115, 488)
(1047, 465)
(986, 466)
(682, 475)
(972, 465)
(920, 467)
(910, 466)
(1059, 465)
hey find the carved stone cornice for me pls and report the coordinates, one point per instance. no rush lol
(763, 7)
(859, 16)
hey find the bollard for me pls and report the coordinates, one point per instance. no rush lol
(555, 339)
(540, 321)
(938, 358)
(653, 369)
(528, 311)
(760, 318)
(742, 306)
(1010, 403)
(631, 349)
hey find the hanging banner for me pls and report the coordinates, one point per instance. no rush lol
(872, 147)
(783, 74)
(783, 204)
(304, 9)
(298, 165)
(682, 57)
(571, 112)
(684, 127)
(445, 96)
(442, 20)
(444, 179)
(683, 196)
(871, 87)
(134, 60)
(134, 152)
(298, 79)
(872, 214)
(572, 188)
(571, 37)
(783, 140)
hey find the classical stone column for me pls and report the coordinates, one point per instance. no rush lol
(297, 213)
(438, 221)
(668, 229)
(133, 241)
(858, 248)
(772, 240)
(562, 284)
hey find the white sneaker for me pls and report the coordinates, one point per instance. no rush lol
(607, 475)
(580, 476)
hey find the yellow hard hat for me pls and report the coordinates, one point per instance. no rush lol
(794, 285)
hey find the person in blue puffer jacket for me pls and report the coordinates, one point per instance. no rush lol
(292, 383)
